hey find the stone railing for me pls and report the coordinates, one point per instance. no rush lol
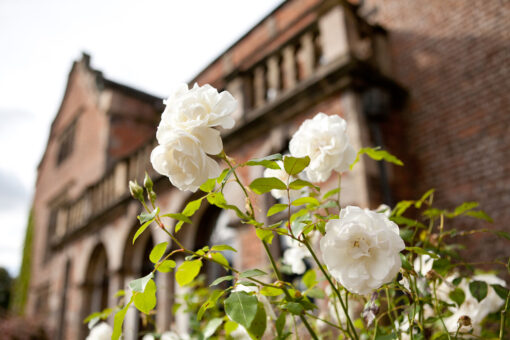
(106, 193)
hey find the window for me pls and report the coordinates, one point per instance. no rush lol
(66, 143)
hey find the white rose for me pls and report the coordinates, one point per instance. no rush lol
(200, 106)
(101, 331)
(324, 140)
(294, 257)
(183, 160)
(361, 249)
(477, 311)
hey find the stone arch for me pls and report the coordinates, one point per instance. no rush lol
(135, 264)
(96, 284)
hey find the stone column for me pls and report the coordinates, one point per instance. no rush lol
(289, 67)
(307, 54)
(259, 86)
(334, 33)
(273, 77)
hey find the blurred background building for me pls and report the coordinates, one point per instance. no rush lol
(427, 81)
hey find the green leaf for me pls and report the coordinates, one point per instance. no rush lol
(211, 327)
(217, 199)
(166, 266)
(221, 259)
(315, 293)
(310, 278)
(268, 161)
(478, 289)
(458, 296)
(179, 217)
(299, 183)
(139, 285)
(331, 193)
(271, 291)
(275, 209)
(480, 214)
(252, 273)
(405, 264)
(145, 217)
(442, 266)
(294, 165)
(266, 184)
(501, 291)
(208, 185)
(426, 195)
(142, 229)
(188, 271)
(378, 155)
(222, 247)
(230, 326)
(221, 279)
(421, 251)
(503, 234)
(265, 235)
(210, 303)
(306, 200)
(391, 336)
(466, 206)
(178, 226)
(157, 252)
(146, 301)
(258, 325)
(118, 320)
(192, 207)
(241, 308)
(293, 307)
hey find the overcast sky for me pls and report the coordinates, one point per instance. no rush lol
(150, 45)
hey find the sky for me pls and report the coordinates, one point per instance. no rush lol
(150, 45)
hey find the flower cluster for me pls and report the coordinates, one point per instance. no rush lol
(186, 135)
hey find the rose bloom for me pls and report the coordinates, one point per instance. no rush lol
(324, 139)
(477, 311)
(361, 249)
(101, 331)
(182, 159)
(200, 106)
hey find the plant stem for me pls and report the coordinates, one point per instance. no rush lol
(285, 290)
(503, 318)
(437, 311)
(333, 286)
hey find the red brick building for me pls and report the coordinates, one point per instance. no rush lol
(426, 80)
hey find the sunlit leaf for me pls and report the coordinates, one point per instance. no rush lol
(187, 271)
(294, 165)
(157, 252)
(138, 285)
(146, 301)
(241, 308)
(266, 184)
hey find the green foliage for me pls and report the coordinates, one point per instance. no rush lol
(266, 184)
(139, 285)
(294, 165)
(276, 208)
(166, 266)
(265, 235)
(458, 296)
(378, 155)
(478, 289)
(187, 271)
(268, 161)
(252, 273)
(157, 252)
(22, 282)
(241, 308)
(146, 300)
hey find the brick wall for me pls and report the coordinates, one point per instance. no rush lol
(454, 58)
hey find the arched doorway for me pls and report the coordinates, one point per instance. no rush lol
(96, 284)
(136, 264)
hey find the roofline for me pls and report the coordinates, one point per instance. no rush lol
(228, 49)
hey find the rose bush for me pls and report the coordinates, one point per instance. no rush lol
(377, 279)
